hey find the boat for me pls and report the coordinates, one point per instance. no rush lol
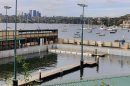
(64, 30)
(113, 31)
(87, 28)
(89, 31)
(77, 35)
(97, 33)
(121, 41)
(101, 28)
(101, 34)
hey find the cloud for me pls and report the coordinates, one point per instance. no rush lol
(68, 7)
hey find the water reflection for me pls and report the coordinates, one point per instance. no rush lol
(81, 73)
(35, 62)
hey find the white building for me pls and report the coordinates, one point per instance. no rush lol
(126, 24)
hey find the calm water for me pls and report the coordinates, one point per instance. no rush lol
(71, 29)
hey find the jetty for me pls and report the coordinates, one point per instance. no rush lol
(27, 38)
(57, 72)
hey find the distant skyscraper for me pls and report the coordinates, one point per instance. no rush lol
(34, 13)
(38, 14)
(25, 15)
(30, 13)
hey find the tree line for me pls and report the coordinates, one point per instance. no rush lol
(107, 21)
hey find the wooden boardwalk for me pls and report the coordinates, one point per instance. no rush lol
(57, 72)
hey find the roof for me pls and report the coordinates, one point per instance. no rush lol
(118, 81)
(11, 39)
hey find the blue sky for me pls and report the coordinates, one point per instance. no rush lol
(96, 8)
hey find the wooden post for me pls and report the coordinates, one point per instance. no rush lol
(95, 54)
(40, 75)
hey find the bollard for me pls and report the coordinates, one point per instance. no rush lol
(40, 78)
(40, 75)
(15, 82)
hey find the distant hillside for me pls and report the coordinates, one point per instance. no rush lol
(69, 20)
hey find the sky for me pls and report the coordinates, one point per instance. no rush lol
(96, 8)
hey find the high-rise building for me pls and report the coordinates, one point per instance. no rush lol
(38, 14)
(30, 13)
(25, 14)
(34, 13)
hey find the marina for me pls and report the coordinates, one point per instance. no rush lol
(68, 47)
(65, 43)
(113, 63)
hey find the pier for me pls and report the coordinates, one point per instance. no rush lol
(57, 72)
(27, 38)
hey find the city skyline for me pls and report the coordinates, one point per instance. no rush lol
(100, 8)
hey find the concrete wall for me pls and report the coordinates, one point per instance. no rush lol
(85, 42)
(116, 44)
(107, 44)
(71, 41)
(9, 53)
(92, 43)
(95, 43)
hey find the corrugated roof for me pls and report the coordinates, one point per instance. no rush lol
(119, 81)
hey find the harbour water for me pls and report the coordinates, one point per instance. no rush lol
(110, 65)
(68, 31)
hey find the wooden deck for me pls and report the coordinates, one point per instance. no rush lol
(45, 75)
